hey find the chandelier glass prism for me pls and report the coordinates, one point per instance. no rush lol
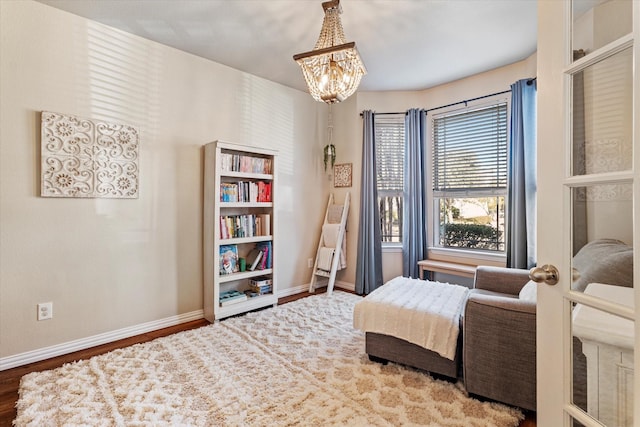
(333, 69)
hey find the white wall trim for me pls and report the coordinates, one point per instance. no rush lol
(293, 291)
(347, 286)
(95, 340)
(338, 284)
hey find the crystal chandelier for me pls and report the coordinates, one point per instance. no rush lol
(333, 68)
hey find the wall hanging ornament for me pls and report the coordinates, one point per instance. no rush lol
(329, 155)
(329, 149)
(342, 175)
(88, 158)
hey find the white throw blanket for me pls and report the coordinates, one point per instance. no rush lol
(422, 312)
(325, 257)
(329, 243)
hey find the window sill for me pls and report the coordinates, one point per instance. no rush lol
(468, 257)
(391, 247)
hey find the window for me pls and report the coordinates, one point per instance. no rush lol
(389, 140)
(469, 159)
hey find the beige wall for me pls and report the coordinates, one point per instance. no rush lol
(111, 264)
(348, 135)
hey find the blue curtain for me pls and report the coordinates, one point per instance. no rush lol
(521, 209)
(414, 220)
(369, 265)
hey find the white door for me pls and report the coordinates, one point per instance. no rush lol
(588, 201)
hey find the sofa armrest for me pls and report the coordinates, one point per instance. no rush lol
(500, 279)
(494, 303)
(499, 349)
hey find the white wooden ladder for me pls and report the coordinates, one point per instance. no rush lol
(327, 261)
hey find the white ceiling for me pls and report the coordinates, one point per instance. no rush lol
(405, 44)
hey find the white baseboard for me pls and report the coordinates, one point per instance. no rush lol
(107, 337)
(95, 340)
(305, 288)
(292, 291)
(338, 284)
(346, 286)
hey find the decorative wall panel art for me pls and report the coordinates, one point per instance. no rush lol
(88, 158)
(342, 175)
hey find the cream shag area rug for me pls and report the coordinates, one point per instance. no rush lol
(301, 363)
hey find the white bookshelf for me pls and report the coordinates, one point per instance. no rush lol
(214, 282)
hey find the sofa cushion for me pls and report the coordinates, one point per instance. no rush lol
(492, 293)
(529, 292)
(603, 261)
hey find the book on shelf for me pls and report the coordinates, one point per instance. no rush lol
(261, 285)
(224, 231)
(251, 294)
(231, 297)
(264, 191)
(267, 255)
(261, 281)
(259, 226)
(228, 259)
(264, 258)
(263, 225)
(228, 192)
(262, 290)
(254, 258)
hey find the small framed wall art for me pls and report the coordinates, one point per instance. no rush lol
(342, 175)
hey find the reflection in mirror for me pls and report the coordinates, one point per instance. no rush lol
(602, 119)
(599, 22)
(602, 359)
(602, 235)
(579, 375)
(576, 423)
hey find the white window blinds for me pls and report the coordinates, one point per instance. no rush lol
(389, 134)
(470, 150)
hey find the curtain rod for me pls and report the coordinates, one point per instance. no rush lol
(529, 82)
(450, 105)
(467, 100)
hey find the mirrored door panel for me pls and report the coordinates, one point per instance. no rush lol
(602, 235)
(601, 183)
(599, 22)
(602, 359)
(602, 118)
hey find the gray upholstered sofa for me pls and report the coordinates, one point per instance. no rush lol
(499, 325)
(498, 344)
(603, 261)
(499, 338)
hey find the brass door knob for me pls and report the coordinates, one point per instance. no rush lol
(547, 273)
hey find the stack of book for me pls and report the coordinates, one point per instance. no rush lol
(231, 297)
(232, 226)
(245, 191)
(240, 163)
(261, 285)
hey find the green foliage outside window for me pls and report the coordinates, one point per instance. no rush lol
(472, 236)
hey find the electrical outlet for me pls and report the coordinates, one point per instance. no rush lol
(310, 263)
(45, 310)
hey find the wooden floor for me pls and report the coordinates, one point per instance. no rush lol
(10, 378)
